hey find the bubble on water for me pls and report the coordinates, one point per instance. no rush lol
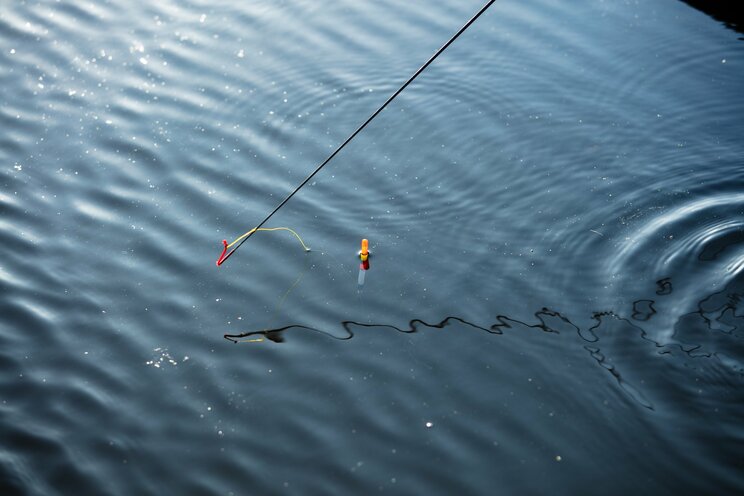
(143, 61)
(203, 18)
(241, 53)
(429, 425)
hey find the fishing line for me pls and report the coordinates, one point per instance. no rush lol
(270, 332)
(225, 255)
(227, 246)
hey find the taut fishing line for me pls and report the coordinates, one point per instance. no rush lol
(242, 239)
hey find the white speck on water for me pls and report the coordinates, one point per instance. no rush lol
(18, 167)
(109, 121)
(71, 93)
(429, 425)
(12, 51)
(558, 458)
(241, 53)
(723, 61)
(203, 18)
(143, 61)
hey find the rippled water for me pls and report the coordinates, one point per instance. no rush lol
(556, 213)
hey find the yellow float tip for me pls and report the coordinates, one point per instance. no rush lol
(364, 253)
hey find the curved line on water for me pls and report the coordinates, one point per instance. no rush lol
(549, 321)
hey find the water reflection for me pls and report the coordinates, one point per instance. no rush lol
(725, 12)
(559, 158)
(614, 341)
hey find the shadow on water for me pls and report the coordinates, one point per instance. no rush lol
(729, 13)
(616, 341)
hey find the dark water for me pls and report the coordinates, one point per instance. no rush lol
(556, 213)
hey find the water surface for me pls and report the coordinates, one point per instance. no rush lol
(555, 209)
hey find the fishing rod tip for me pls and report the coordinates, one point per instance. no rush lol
(222, 255)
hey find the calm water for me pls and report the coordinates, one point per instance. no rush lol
(556, 213)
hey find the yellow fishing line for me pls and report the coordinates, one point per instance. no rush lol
(240, 239)
(270, 229)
